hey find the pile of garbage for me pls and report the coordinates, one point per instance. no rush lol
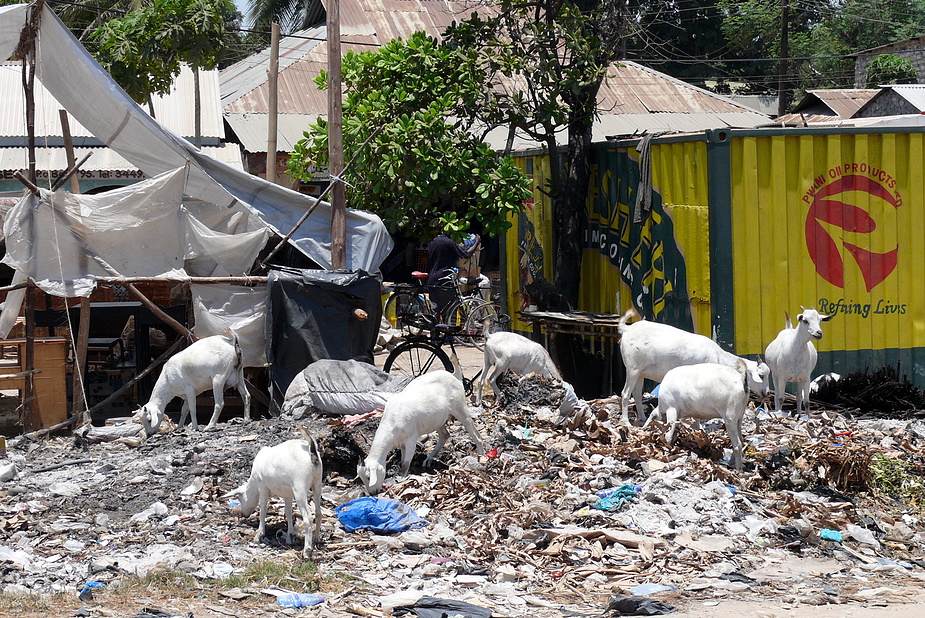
(572, 512)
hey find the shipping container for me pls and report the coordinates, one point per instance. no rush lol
(746, 226)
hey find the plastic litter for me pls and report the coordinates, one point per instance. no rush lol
(638, 606)
(650, 588)
(299, 600)
(381, 515)
(430, 607)
(830, 535)
(862, 535)
(86, 594)
(615, 498)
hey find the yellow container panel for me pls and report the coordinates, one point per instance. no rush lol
(833, 222)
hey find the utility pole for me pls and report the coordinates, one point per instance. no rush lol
(336, 141)
(273, 85)
(782, 89)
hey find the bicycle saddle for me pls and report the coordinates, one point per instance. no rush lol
(447, 329)
(419, 275)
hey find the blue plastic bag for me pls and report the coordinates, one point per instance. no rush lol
(614, 499)
(380, 515)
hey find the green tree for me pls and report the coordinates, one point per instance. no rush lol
(890, 69)
(559, 50)
(411, 164)
(144, 49)
(822, 34)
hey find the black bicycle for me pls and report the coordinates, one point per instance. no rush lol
(410, 310)
(421, 354)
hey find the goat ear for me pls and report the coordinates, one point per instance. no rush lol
(800, 317)
(826, 318)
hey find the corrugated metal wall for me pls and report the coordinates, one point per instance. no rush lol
(528, 244)
(824, 218)
(622, 260)
(833, 221)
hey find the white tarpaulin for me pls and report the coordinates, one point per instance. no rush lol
(63, 241)
(90, 95)
(218, 306)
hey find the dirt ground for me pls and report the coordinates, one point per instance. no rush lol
(514, 533)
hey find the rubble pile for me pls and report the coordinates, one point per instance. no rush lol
(561, 514)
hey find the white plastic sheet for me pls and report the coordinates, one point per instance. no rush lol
(89, 94)
(243, 310)
(64, 241)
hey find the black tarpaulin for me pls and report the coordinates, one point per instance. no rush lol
(310, 316)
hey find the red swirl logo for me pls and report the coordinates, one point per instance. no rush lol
(826, 207)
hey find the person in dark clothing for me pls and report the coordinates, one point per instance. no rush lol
(443, 254)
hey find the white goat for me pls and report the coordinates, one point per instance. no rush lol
(650, 350)
(792, 356)
(424, 407)
(213, 362)
(704, 391)
(291, 470)
(512, 352)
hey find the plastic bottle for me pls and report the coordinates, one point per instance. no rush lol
(299, 600)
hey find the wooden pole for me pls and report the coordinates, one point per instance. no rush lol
(160, 313)
(782, 86)
(69, 149)
(285, 239)
(29, 365)
(83, 328)
(336, 141)
(272, 84)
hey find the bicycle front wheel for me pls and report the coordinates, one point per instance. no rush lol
(414, 358)
(483, 320)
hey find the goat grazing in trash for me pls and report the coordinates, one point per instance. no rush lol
(792, 356)
(512, 352)
(293, 471)
(650, 350)
(212, 362)
(423, 407)
(704, 391)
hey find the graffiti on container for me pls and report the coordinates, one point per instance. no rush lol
(646, 255)
(833, 200)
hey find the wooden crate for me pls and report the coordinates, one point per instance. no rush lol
(50, 404)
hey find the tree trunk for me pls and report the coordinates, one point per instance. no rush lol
(569, 205)
(197, 108)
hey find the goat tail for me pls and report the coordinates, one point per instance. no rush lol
(631, 313)
(312, 444)
(238, 352)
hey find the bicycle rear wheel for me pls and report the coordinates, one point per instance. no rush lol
(484, 319)
(414, 358)
(403, 310)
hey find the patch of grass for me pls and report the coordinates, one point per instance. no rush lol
(897, 478)
(298, 576)
(32, 604)
(170, 583)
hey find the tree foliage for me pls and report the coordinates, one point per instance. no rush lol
(890, 69)
(822, 36)
(557, 52)
(426, 168)
(144, 49)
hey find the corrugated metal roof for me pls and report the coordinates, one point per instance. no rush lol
(845, 102)
(174, 110)
(914, 93)
(824, 105)
(251, 129)
(630, 88)
(54, 159)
